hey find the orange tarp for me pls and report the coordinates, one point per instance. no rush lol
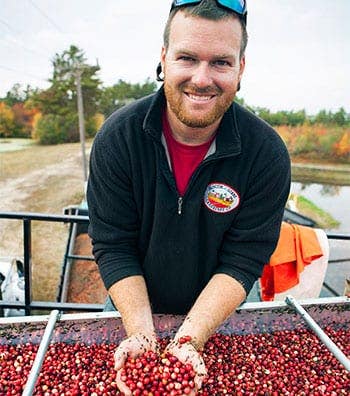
(297, 247)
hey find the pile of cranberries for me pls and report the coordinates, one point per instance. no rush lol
(155, 375)
(282, 363)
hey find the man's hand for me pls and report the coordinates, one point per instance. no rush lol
(133, 346)
(187, 354)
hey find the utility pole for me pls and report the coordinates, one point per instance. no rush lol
(78, 73)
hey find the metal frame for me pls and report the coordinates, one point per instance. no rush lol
(247, 307)
(29, 304)
(108, 325)
(73, 220)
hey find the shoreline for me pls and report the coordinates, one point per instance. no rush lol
(321, 173)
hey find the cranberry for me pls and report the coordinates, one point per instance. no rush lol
(284, 362)
(150, 373)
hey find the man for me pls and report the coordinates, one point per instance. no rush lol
(187, 189)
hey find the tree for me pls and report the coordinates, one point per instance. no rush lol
(60, 99)
(340, 117)
(18, 95)
(121, 93)
(322, 117)
(51, 129)
(24, 119)
(295, 118)
(342, 148)
(7, 120)
(16, 116)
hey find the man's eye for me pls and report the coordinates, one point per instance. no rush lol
(186, 58)
(221, 63)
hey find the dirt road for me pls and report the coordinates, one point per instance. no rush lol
(45, 180)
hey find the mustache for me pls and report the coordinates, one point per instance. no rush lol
(193, 89)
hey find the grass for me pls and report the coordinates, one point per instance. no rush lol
(14, 144)
(15, 163)
(42, 179)
(309, 209)
(339, 175)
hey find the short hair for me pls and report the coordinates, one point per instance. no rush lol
(208, 9)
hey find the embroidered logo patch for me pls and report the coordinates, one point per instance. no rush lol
(221, 198)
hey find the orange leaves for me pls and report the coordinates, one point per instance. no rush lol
(342, 148)
(317, 141)
(17, 120)
(7, 120)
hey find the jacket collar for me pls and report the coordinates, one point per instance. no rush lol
(228, 139)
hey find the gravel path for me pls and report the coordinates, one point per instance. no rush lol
(15, 193)
(45, 190)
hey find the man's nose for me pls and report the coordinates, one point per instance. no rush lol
(202, 75)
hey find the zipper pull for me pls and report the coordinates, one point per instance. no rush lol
(179, 206)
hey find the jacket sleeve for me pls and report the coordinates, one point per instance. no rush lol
(114, 222)
(253, 236)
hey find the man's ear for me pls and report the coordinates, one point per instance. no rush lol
(160, 67)
(162, 57)
(241, 70)
(241, 67)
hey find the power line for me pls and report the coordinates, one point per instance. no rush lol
(9, 26)
(12, 40)
(53, 23)
(18, 41)
(23, 73)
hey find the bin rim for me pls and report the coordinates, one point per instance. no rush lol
(245, 307)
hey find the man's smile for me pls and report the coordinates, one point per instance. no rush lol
(199, 98)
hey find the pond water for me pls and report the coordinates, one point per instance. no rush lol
(7, 144)
(333, 199)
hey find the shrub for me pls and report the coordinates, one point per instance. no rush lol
(36, 119)
(93, 124)
(342, 147)
(305, 141)
(7, 120)
(56, 129)
(317, 141)
(50, 129)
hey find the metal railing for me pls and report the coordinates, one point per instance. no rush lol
(30, 304)
(73, 220)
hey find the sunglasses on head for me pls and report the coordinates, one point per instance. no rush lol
(239, 7)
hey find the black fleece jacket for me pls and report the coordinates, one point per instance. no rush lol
(228, 221)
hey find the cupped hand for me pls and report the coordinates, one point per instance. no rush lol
(187, 354)
(133, 346)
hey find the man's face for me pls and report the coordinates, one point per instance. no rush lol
(201, 68)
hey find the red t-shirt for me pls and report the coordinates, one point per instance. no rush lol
(184, 158)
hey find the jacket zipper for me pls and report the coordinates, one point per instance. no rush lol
(179, 206)
(204, 163)
(194, 176)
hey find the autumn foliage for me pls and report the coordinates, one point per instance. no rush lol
(309, 141)
(50, 116)
(17, 120)
(7, 123)
(315, 142)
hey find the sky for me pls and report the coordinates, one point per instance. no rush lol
(298, 54)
